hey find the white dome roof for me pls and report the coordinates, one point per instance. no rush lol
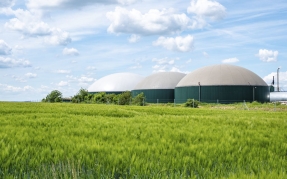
(161, 80)
(222, 75)
(117, 82)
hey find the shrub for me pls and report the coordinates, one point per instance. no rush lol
(191, 103)
(100, 97)
(124, 98)
(139, 100)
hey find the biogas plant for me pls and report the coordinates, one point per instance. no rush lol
(221, 83)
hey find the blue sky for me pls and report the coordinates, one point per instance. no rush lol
(69, 44)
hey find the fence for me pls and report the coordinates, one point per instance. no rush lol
(216, 104)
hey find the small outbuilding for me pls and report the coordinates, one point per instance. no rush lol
(222, 83)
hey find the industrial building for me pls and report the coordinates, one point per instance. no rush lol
(222, 83)
(115, 83)
(158, 87)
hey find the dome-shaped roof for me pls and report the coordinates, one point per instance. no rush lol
(161, 80)
(221, 75)
(117, 82)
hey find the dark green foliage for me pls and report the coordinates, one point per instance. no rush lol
(54, 96)
(82, 96)
(124, 98)
(139, 100)
(120, 99)
(100, 98)
(111, 98)
(191, 103)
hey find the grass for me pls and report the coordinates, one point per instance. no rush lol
(43, 140)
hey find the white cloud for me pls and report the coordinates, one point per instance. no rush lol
(63, 71)
(63, 83)
(154, 22)
(207, 9)
(10, 63)
(20, 79)
(31, 75)
(73, 3)
(137, 66)
(70, 51)
(83, 81)
(267, 55)
(174, 69)
(30, 24)
(134, 38)
(181, 44)
(59, 37)
(164, 64)
(91, 68)
(282, 79)
(9, 88)
(4, 48)
(230, 60)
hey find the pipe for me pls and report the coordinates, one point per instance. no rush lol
(278, 79)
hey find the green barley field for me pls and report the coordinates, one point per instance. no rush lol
(44, 140)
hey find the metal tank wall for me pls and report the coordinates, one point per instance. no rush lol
(156, 95)
(222, 94)
(278, 96)
(158, 87)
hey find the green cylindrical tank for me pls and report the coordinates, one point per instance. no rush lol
(222, 83)
(158, 87)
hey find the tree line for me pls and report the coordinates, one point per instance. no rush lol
(83, 96)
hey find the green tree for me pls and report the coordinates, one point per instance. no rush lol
(139, 99)
(54, 96)
(82, 96)
(99, 98)
(124, 98)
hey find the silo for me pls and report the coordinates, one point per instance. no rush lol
(222, 83)
(158, 87)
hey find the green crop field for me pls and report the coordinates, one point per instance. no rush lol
(44, 140)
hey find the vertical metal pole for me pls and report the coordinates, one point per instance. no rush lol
(278, 79)
(253, 93)
(199, 91)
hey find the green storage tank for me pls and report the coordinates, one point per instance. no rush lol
(222, 83)
(158, 87)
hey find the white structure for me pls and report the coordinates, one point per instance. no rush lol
(158, 87)
(116, 83)
(161, 80)
(278, 96)
(222, 74)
